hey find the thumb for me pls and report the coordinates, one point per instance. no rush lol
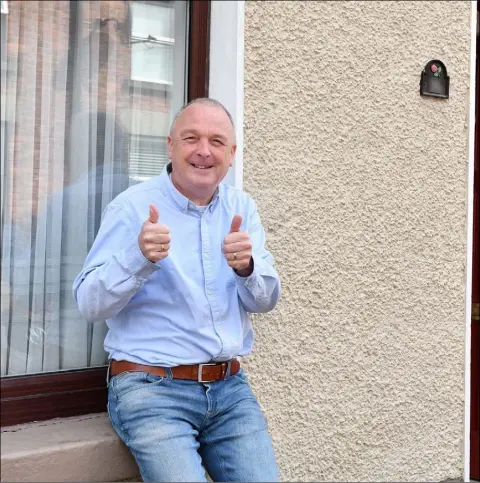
(153, 218)
(236, 222)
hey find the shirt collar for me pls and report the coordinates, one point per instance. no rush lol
(181, 201)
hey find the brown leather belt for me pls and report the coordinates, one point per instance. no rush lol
(199, 372)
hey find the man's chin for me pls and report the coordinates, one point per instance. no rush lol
(204, 177)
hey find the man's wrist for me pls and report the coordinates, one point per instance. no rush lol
(246, 272)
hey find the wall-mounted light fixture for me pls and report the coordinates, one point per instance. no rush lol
(434, 81)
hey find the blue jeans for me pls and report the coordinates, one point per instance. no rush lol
(177, 429)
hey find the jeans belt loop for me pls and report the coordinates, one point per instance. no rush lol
(229, 367)
(108, 371)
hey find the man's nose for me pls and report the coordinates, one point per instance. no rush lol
(203, 147)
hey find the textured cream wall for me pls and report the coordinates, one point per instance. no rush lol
(361, 184)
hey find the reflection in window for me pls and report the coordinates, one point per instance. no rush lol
(152, 42)
(157, 51)
(147, 155)
(76, 130)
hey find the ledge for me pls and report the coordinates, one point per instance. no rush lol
(83, 448)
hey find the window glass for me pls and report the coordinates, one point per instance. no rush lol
(88, 89)
(153, 42)
(156, 19)
(152, 62)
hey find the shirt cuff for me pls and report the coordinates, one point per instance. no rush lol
(253, 282)
(138, 266)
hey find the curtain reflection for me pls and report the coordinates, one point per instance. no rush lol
(72, 121)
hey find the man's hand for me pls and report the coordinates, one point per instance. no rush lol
(237, 248)
(154, 238)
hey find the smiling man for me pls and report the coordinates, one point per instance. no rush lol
(177, 265)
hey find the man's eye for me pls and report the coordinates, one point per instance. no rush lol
(190, 138)
(217, 142)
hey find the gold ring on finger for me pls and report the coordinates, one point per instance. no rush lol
(163, 247)
(234, 255)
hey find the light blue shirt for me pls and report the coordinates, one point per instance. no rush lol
(190, 307)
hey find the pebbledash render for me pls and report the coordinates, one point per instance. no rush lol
(362, 185)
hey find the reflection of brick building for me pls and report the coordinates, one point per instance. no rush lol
(69, 60)
(77, 130)
(37, 36)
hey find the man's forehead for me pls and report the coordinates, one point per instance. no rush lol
(198, 114)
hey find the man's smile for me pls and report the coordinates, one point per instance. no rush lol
(202, 166)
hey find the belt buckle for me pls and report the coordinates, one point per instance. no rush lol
(200, 370)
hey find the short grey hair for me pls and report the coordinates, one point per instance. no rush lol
(207, 101)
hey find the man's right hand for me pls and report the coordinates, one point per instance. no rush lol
(154, 238)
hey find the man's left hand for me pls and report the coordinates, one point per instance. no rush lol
(237, 248)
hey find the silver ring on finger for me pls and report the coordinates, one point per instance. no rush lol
(163, 247)
(235, 255)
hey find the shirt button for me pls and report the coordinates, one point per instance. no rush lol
(209, 292)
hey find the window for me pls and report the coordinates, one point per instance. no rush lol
(153, 42)
(157, 79)
(88, 92)
(148, 156)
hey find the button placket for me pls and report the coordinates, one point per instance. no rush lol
(209, 277)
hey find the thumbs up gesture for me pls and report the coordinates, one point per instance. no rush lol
(154, 238)
(237, 248)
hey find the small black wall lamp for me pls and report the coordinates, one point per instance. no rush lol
(434, 81)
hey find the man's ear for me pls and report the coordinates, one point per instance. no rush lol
(170, 147)
(232, 154)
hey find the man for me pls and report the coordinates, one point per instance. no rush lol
(178, 262)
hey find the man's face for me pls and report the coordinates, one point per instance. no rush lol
(201, 149)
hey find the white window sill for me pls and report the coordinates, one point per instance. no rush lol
(84, 448)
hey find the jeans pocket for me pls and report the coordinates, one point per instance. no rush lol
(122, 375)
(154, 380)
(241, 376)
(127, 381)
